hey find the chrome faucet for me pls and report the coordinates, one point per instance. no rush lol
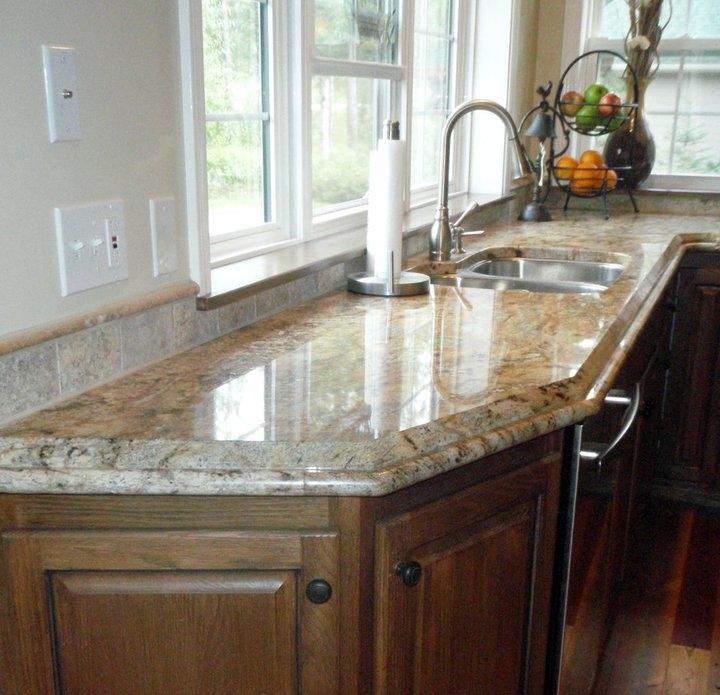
(446, 238)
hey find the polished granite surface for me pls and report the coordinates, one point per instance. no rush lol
(353, 395)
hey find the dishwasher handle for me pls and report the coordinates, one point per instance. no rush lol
(598, 452)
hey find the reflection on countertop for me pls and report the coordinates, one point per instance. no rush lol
(359, 395)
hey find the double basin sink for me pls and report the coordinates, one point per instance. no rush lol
(540, 271)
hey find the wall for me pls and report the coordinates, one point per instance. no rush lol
(128, 89)
(549, 44)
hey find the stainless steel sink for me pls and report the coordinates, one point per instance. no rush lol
(536, 275)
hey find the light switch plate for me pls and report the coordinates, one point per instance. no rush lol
(91, 245)
(162, 232)
(61, 94)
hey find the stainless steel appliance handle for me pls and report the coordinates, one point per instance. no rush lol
(598, 453)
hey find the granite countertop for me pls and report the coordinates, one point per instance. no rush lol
(353, 395)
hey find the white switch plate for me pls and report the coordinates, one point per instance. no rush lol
(162, 233)
(61, 94)
(91, 245)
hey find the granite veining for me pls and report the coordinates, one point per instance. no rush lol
(352, 395)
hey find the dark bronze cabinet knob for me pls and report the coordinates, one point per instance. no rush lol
(409, 572)
(318, 591)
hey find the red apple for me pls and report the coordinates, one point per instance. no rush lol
(609, 105)
(570, 103)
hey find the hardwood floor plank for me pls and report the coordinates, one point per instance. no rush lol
(687, 671)
(698, 597)
(636, 656)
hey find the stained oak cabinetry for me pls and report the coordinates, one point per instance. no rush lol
(166, 611)
(463, 589)
(690, 449)
(157, 595)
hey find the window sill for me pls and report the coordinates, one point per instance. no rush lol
(232, 282)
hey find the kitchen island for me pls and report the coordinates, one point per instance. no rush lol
(335, 499)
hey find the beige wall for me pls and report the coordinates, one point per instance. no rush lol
(526, 40)
(549, 60)
(129, 103)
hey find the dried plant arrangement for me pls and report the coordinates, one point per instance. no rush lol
(643, 37)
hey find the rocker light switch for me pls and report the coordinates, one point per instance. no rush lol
(91, 245)
(61, 93)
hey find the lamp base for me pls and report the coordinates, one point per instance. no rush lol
(535, 212)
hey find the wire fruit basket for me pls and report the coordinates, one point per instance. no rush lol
(591, 118)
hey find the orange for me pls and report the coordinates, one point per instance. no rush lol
(610, 179)
(592, 157)
(586, 178)
(564, 168)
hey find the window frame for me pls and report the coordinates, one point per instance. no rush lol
(585, 23)
(292, 64)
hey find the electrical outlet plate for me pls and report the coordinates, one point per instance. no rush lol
(91, 245)
(63, 108)
(162, 233)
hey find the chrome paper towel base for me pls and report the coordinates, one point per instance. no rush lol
(404, 286)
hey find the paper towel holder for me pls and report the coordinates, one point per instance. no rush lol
(405, 284)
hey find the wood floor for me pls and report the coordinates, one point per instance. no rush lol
(666, 631)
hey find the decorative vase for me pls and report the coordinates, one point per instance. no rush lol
(632, 144)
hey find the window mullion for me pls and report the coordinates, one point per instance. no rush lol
(406, 56)
(230, 116)
(673, 131)
(266, 139)
(356, 68)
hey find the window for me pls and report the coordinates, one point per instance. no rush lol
(354, 88)
(240, 124)
(283, 102)
(683, 100)
(432, 86)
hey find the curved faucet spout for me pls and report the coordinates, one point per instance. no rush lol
(441, 233)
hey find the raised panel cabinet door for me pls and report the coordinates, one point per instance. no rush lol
(691, 427)
(174, 632)
(463, 589)
(167, 612)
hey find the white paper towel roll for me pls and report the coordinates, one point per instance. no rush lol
(386, 207)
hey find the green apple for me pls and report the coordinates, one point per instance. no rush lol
(615, 123)
(595, 92)
(587, 118)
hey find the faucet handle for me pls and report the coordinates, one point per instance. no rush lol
(458, 232)
(457, 236)
(469, 210)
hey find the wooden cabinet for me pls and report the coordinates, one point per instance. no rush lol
(472, 618)
(153, 612)
(209, 596)
(690, 452)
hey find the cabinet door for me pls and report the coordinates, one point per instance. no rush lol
(476, 621)
(691, 427)
(170, 612)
